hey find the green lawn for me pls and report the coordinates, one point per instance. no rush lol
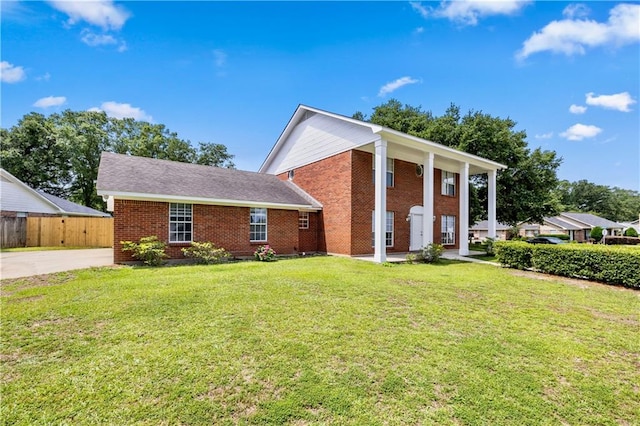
(318, 341)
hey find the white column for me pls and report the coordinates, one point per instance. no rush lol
(491, 207)
(380, 215)
(427, 200)
(463, 225)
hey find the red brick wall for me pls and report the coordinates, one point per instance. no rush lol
(344, 185)
(308, 238)
(329, 181)
(225, 226)
(445, 205)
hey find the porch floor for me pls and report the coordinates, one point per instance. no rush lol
(448, 254)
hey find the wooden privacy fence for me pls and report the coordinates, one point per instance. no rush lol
(69, 231)
(13, 231)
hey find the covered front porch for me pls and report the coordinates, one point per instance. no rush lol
(429, 156)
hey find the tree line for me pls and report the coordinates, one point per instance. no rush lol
(529, 189)
(60, 153)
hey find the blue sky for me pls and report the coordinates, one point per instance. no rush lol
(233, 73)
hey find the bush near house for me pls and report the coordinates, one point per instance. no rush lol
(206, 253)
(611, 265)
(149, 250)
(630, 232)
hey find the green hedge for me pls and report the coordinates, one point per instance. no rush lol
(608, 264)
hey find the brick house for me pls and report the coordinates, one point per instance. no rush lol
(330, 184)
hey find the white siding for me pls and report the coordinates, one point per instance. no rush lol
(14, 197)
(316, 138)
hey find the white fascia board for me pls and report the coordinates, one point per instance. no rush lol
(295, 119)
(201, 200)
(444, 151)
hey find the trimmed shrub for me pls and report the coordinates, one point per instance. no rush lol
(514, 254)
(206, 253)
(617, 240)
(596, 234)
(149, 250)
(611, 265)
(630, 232)
(563, 237)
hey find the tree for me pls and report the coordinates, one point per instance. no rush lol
(31, 151)
(614, 204)
(214, 154)
(526, 188)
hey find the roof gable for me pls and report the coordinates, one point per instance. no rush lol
(313, 134)
(19, 197)
(590, 220)
(130, 177)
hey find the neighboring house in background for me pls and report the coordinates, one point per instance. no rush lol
(480, 231)
(577, 226)
(17, 199)
(634, 224)
(330, 184)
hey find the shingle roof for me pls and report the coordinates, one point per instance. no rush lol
(484, 224)
(592, 220)
(71, 207)
(557, 221)
(165, 179)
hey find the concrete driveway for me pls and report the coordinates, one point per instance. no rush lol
(25, 264)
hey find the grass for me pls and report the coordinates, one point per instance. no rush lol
(318, 341)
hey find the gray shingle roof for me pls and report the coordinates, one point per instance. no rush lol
(557, 221)
(484, 225)
(592, 220)
(73, 208)
(139, 175)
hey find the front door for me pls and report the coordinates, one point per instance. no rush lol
(415, 219)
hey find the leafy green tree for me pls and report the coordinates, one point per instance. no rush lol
(214, 154)
(612, 203)
(526, 188)
(85, 135)
(31, 150)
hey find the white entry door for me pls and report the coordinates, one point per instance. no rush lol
(415, 218)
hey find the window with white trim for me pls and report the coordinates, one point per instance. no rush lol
(448, 183)
(448, 230)
(180, 223)
(258, 224)
(388, 226)
(303, 220)
(390, 170)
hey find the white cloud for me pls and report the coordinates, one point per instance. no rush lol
(619, 101)
(577, 10)
(572, 36)
(102, 13)
(396, 84)
(545, 136)
(418, 30)
(50, 101)
(122, 110)
(10, 73)
(577, 109)
(45, 77)
(577, 132)
(92, 39)
(467, 12)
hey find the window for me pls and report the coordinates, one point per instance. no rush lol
(448, 230)
(180, 223)
(303, 220)
(390, 164)
(389, 229)
(258, 224)
(448, 183)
